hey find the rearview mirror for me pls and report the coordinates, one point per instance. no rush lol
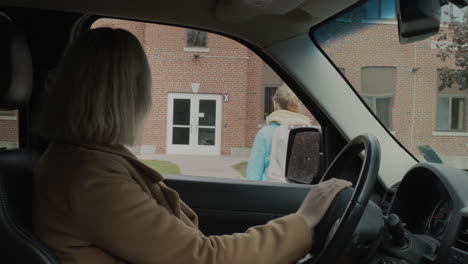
(418, 19)
(304, 158)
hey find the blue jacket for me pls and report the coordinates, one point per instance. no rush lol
(259, 161)
(260, 156)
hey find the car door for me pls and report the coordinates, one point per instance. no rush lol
(211, 96)
(226, 206)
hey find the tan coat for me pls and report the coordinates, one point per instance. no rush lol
(97, 204)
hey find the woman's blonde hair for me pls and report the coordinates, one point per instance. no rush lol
(102, 90)
(286, 99)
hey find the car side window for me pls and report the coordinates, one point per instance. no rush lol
(8, 129)
(211, 96)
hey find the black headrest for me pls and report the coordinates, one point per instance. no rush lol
(16, 72)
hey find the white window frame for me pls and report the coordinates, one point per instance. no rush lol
(382, 96)
(450, 113)
(8, 115)
(188, 48)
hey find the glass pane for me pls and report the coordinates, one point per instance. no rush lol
(458, 113)
(422, 102)
(180, 135)
(207, 113)
(192, 127)
(196, 38)
(181, 112)
(8, 129)
(206, 136)
(8, 114)
(442, 119)
(387, 9)
(372, 9)
(268, 100)
(383, 111)
(369, 101)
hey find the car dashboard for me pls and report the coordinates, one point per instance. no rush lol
(432, 201)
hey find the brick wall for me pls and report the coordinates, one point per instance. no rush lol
(417, 64)
(230, 68)
(255, 96)
(222, 70)
(8, 130)
(8, 133)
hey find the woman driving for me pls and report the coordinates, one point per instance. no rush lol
(95, 202)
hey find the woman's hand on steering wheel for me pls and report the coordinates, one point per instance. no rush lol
(318, 200)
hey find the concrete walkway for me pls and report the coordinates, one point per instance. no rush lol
(199, 165)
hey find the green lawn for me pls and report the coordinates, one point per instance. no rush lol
(241, 168)
(162, 166)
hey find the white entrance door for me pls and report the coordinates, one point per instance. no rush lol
(194, 124)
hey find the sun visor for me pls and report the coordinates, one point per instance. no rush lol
(242, 10)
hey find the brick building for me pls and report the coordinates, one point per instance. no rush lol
(210, 93)
(400, 82)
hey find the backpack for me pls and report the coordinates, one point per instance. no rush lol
(279, 146)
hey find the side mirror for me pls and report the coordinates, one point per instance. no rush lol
(418, 19)
(304, 158)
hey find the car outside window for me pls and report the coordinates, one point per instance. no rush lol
(8, 129)
(380, 10)
(417, 91)
(378, 89)
(210, 97)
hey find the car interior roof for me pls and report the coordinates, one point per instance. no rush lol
(241, 18)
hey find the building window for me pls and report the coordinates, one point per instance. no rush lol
(268, 105)
(380, 10)
(196, 38)
(378, 89)
(382, 107)
(451, 13)
(7, 115)
(451, 112)
(451, 108)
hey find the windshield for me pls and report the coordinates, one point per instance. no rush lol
(418, 91)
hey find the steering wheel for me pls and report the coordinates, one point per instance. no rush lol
(335, 231)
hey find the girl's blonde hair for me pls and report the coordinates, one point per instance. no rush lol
(102, 91)
(286, 99)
